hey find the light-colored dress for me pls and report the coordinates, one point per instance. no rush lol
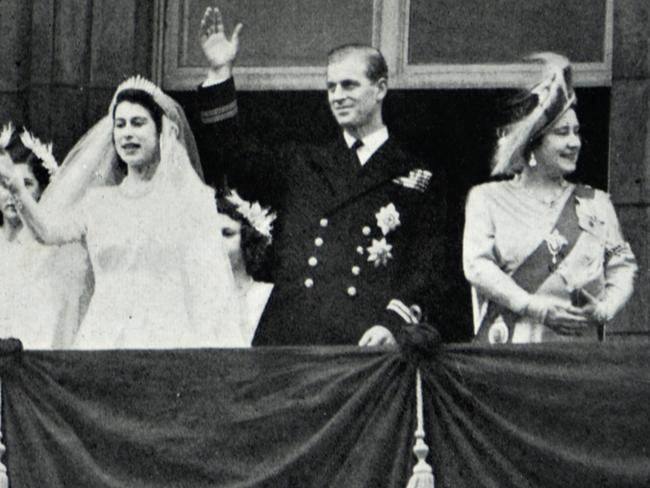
(252, 306)
(33, 306)
(505, 224)
(159, 279)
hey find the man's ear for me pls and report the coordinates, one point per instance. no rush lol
(382, 88)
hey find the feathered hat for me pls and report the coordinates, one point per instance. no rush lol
(550, 98)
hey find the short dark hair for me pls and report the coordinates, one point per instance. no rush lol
(144, 99)
(254, 245)
(20, 154)
(376, 67)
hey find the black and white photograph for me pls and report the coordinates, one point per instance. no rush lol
(319, 243)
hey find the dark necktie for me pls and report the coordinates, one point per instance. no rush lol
(353, 151)
(349, 166)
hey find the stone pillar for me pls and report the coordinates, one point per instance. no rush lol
(629, 173)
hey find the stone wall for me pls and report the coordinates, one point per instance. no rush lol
(62, 59)
(629, 169)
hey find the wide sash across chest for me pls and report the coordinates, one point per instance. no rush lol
(541, 263)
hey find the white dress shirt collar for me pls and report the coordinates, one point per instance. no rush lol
(371, 143)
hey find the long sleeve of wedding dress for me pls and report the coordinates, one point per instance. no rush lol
(49, 227)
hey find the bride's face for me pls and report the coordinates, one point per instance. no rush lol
(135, 135)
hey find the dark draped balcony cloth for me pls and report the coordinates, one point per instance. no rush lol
(508, 416)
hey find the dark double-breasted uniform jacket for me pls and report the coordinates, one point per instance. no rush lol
(355, 246)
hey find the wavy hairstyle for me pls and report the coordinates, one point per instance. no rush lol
(20, 154)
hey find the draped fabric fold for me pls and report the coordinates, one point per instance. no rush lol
(540, 416)
(194, 418)
(510, 416)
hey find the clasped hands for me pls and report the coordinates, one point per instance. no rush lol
(567, 319)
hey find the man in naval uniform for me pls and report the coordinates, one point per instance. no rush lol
(360, 231)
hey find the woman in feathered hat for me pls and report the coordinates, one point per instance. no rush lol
(130, 190)
(546, 258)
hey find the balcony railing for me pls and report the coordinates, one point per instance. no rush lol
(545, 415)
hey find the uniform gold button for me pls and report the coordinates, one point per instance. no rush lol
(352, 291)
(366, 230)
(312, 261)
(309, 283)
(324, 222)
(318, 241)
(356, 270)
(359, 250)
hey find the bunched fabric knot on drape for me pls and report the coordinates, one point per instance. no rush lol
(512, 416)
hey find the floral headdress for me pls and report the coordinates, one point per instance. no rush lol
(6, 134)
(41, 151)
(552, 97)
(260, 218)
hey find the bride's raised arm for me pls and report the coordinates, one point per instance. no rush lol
(47, 228)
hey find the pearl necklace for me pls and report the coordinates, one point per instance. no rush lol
(548, 200)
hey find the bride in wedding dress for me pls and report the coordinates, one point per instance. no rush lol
(130, 192)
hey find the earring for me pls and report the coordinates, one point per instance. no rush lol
(532, 162)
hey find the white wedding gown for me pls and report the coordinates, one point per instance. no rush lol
(161, 276)
(161, 279)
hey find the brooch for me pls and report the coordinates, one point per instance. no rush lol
(555, 242)
(379, 252)
(388, 219)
